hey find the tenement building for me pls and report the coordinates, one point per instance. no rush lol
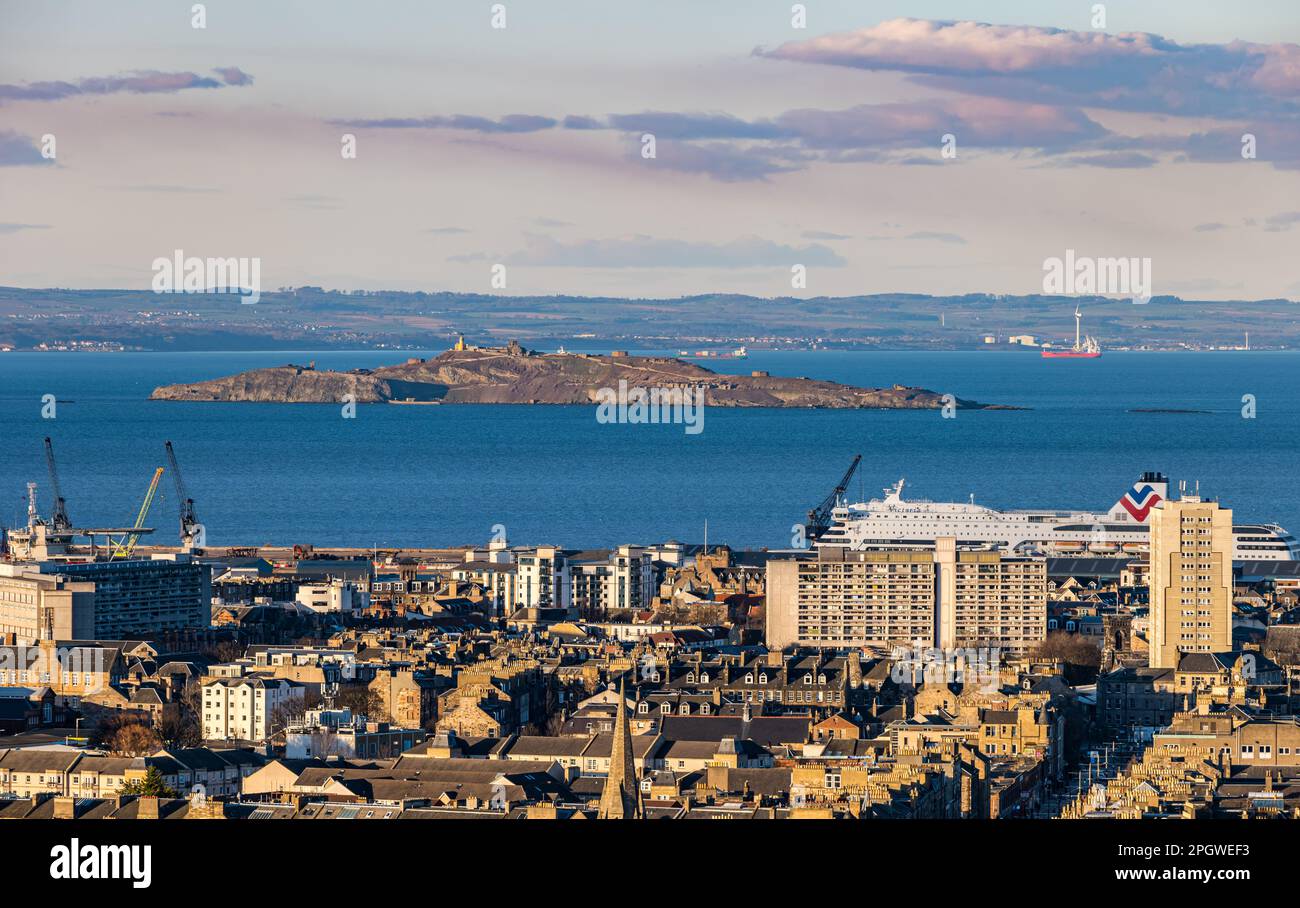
(943, 597)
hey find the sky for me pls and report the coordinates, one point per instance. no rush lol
(774, 145)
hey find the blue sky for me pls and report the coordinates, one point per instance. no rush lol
(775, 146)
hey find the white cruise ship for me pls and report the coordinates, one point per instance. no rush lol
(892, 522)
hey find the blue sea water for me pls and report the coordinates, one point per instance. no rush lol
(445, 475)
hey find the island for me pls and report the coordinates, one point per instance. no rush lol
(515, 375)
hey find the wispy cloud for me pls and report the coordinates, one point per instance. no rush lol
(19, 151)
(823, 235)
(511, 123)
(14, 228)
(640, 251)
(170, 189)
(936, 236)
(1284, 221)
(138, 82)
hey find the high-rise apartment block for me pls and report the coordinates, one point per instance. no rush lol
(1191, 579)
(945, 597)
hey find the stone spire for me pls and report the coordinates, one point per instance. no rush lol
(621, 799)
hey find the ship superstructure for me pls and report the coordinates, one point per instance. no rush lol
(893, 522)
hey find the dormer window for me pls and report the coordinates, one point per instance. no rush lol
(686, 709)
(644, 707)
(821, 679)
(762, 679)
(704, 709)
(666, 708)
(704, 677)
(690, 676)
(807, 679)
(749, 679)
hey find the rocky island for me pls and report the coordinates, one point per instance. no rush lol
(514, 375)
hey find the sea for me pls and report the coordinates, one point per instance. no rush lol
(461, 474)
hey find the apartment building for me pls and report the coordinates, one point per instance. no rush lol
(992, 600)
(841, 598)
(1191, 579)
(602, 581)
(244, 709)
(543, 578)
(334, 596)
(142, 597)
(36, 606)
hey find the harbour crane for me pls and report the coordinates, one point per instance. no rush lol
(126, 546)
(819, 518)
(190, 529)
(59, 519)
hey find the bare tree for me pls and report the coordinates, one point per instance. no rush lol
(134, 739)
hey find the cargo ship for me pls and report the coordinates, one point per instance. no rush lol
(1085, 346)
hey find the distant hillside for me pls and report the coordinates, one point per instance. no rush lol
(312, 318)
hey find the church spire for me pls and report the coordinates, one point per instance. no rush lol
(621, 798)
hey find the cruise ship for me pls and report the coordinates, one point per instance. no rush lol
(892, 522)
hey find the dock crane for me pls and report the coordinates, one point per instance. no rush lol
(59, 519)
(124, 547)
(819, 518)
(190, 529)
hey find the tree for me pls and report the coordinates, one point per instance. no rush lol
(152, 785)
(134, 739)
(362, 701)
(223, 651)
(1071, 649)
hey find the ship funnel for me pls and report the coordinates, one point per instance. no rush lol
(1136, 504)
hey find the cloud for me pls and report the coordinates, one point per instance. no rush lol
(1130, 71)
(823, 235)
(171, 188)
(14, 228)
(233, 75)
(1276, 141)
(138, 82)
(579, 122)
(980, 122)
(1112, 159)
(551, 222)
(18, 151)
(723, 161)
(665, 124)
(511, 123)
(1284, 221)
(936, 236)
(1210, 227)
(640, 251)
